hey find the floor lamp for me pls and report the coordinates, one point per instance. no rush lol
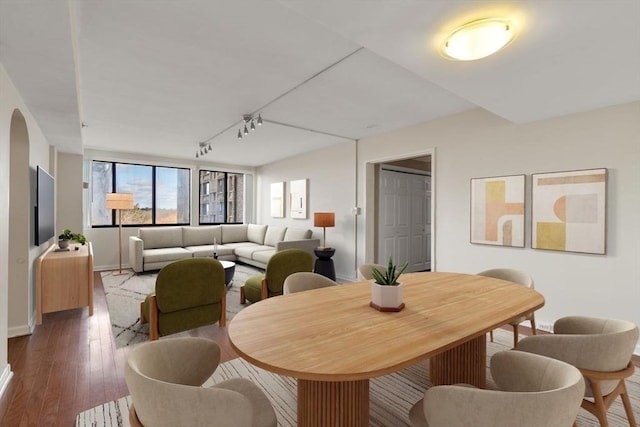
(119, 201)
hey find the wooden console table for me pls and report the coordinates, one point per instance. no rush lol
(64, 280)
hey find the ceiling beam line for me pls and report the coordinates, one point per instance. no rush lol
(259, 110)
(308, 129)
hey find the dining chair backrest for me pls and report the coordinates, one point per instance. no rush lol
(364, 270)
(304, 281)
(532, 392)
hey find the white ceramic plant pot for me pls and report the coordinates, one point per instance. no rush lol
(386, 296)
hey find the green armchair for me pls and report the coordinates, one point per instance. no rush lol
(189, 293)
(280, 265)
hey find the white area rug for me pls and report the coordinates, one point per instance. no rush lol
(124, 294)
(391, 396)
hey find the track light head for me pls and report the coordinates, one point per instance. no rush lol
(248, 124)
(210, 149)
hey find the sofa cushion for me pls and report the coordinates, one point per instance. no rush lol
(263, 256)
(248, 251)
(255, 233)
(274, 235)
(296, 234)
(203, 251)
(237, 245)
(232, 233)
(198, 236)
(165, 254)
(161, 237)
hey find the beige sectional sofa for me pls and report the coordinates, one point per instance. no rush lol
(155, 247)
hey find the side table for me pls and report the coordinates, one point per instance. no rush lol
(324, 263)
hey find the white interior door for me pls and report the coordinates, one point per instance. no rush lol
(403, 219)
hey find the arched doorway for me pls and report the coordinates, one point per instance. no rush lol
(20, 237)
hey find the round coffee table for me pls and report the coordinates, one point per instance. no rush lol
(229, 271)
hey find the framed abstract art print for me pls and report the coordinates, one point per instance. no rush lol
(569, 211)
(497, 210)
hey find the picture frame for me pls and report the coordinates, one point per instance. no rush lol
(498, 210)
(569, 211)
(277, 200)
(298, 199)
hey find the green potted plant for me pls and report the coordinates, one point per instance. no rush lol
(386, 291)
(68, 236)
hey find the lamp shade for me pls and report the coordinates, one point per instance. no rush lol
(119, 201)
(324, 219)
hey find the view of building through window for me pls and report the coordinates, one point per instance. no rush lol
(221, 197)
(161, 194)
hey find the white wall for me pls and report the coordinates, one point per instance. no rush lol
(69, 192)
(331, 176)
(479, 144)
(38, 155)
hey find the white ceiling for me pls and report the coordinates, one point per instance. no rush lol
(160, 76)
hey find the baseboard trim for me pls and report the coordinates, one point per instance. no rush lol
(18, 331)
(5, 378)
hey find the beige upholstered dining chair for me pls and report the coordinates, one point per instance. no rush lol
(165, 381)
(364, 271)
(521, 278)
(532, 392)
(304, 281)
(601, 349)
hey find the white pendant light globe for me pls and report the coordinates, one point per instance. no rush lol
(478, 39)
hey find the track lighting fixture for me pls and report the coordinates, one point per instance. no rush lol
(250, 121)
(204, 148)
(248, 124)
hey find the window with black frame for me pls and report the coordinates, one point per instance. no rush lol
(161, 194)
(221, 197)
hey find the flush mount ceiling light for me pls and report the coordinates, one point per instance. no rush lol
(478, 39)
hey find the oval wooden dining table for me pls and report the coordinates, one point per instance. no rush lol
(333, 342)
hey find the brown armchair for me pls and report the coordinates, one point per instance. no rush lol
(189, 293)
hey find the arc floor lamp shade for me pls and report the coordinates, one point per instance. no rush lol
(119, 201)
(324, 220)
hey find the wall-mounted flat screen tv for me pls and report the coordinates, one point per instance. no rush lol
(45, 207)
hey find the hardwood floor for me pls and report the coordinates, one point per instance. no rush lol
(70, 364)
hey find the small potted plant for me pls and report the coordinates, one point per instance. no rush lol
(386, 291)
(68, 236)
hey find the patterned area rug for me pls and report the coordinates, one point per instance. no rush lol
(391, 396)
(125, 292)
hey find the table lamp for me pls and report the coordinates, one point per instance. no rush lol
(324, 220)
(119, 201)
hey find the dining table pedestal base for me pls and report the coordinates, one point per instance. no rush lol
(463, 364)
(341, 403)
